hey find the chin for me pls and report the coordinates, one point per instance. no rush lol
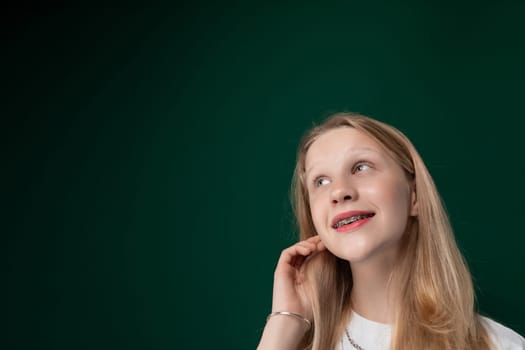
(352, 255)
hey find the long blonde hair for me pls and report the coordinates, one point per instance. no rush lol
(436, 307)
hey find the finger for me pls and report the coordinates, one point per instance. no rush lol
(306, 244)
(296, 254)
(313, 239)
(312, 244)
(298, 249)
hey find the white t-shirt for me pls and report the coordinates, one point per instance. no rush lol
(370, 335)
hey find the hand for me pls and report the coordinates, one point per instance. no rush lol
(288, 290)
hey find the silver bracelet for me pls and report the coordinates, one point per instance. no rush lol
(286, 313)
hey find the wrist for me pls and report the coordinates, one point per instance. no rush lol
(282, 333)
(286, 314)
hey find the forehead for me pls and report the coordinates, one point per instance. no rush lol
(338, 142)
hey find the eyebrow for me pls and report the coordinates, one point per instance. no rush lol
(354, 150)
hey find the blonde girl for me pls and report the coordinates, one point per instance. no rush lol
(376, 266)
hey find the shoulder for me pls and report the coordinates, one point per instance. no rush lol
(504, 338)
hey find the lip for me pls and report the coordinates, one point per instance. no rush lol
(353, 226)
(348, 214)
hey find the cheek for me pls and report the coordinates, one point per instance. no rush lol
(391, 192)
(316, 211)
(396, 200)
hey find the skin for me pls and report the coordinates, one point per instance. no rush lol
(345, 170)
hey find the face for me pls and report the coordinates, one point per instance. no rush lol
(360, 198)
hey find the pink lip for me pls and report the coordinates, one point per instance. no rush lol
(353, 226)
(348, 214)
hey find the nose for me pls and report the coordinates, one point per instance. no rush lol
(342, 192)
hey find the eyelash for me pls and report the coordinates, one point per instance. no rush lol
(358, 164)
(354, 170)
(317, 180)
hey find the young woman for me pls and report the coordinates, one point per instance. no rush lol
(377, 266)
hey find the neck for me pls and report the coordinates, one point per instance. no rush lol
(373, 292)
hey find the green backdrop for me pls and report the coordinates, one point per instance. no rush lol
(148, 153)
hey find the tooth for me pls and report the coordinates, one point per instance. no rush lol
(351, 219)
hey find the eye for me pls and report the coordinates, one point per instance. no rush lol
(321, 181)
(360, 167)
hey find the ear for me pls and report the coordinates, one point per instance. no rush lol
(413, 202)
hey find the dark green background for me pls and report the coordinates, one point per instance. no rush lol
(148, 153)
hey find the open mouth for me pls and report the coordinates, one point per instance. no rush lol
(351, 220)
